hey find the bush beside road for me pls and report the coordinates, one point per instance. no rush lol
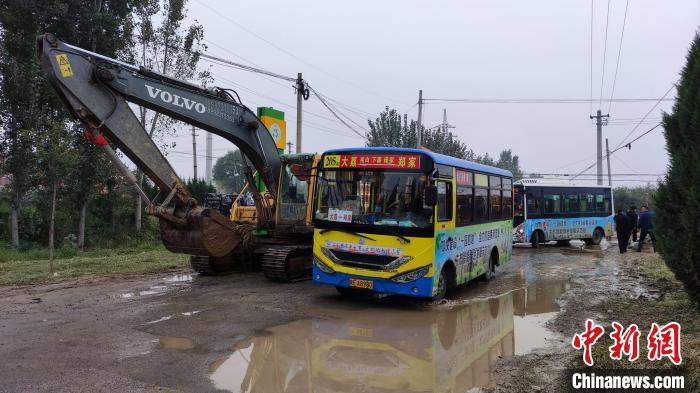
(32, 267)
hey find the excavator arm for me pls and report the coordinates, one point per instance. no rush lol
(96, 90)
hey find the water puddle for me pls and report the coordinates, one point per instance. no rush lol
(179, 278)
(179, 343)
(393, 348)
(167, 283)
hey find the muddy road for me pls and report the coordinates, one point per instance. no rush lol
(241, 333)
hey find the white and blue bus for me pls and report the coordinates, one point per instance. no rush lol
(546, 211)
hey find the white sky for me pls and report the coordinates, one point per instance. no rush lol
(369, 54)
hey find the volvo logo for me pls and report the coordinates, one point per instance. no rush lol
(175, 99)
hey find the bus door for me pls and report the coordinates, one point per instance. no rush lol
(518, 205)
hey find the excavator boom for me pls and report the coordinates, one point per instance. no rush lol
(97, 89)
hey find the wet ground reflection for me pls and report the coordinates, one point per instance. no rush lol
(392, 349)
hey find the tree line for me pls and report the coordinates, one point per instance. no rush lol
(391, 128)
(62, 189)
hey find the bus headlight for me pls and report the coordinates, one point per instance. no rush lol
(413, 275)
(322, 266)
(397, 262)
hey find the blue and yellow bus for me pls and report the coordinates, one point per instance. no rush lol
(560, 211)
(409, 221)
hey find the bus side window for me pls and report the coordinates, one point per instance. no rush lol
(552, 203)
(571, 203)
(444, 205)
(481, 207)
(533, 205)
(602, 204)
(465, 205)
(507, 212)
(495, 201)
(481, 198)
(586, 204)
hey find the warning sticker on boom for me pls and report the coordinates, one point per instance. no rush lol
(64, 65)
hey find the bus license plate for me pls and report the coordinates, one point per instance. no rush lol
(364, 284)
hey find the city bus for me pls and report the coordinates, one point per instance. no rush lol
(547, 210)
(409, 221)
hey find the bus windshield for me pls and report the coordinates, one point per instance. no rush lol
(374, 198)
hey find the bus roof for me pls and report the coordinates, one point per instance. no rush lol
(542, 182)
(437, 158)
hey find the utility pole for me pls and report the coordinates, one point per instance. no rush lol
(289, 147)
(300, 97)
(194, 153)
(607, 151)
(600, 121)
(419, 126)
(207, 176)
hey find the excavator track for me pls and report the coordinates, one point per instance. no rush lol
(287, 263)
(204, 265)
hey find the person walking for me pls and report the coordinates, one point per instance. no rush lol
(622, 228)
(647, 228)
(633, 219)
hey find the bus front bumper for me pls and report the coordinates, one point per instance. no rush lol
(422, 287)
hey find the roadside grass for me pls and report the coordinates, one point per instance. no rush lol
(32, 267)
(672, 305)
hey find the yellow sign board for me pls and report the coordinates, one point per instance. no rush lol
(64, 65)
(278, 129)
(331, 161)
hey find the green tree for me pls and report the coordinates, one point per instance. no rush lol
(27, 104)
(228, 172)
(678, 197)
(637, 196)
(510, 162)
(55, 162)
(163, 44)
(199, 187)
(393, 130)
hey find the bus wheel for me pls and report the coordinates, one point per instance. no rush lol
(535, 239)
(596, 239)
(442, 286)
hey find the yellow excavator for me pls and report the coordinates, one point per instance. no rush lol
(97, 90)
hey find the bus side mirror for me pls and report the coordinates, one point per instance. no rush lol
(430, 196)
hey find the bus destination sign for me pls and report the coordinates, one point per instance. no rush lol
(372, 161)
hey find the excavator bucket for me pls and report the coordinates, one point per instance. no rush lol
(207, 233)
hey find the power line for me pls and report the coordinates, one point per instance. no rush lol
(619, 52)
(618, 148)
(560, 174)
(221, 15)
(590, 108)
(605, 51)
(277, 101)
(328, 106)
(646, 115)
(535, 100)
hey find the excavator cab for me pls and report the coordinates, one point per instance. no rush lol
(297, 186)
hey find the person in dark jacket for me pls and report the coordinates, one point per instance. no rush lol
(647, 228)
(622, 227)
(634, 222)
